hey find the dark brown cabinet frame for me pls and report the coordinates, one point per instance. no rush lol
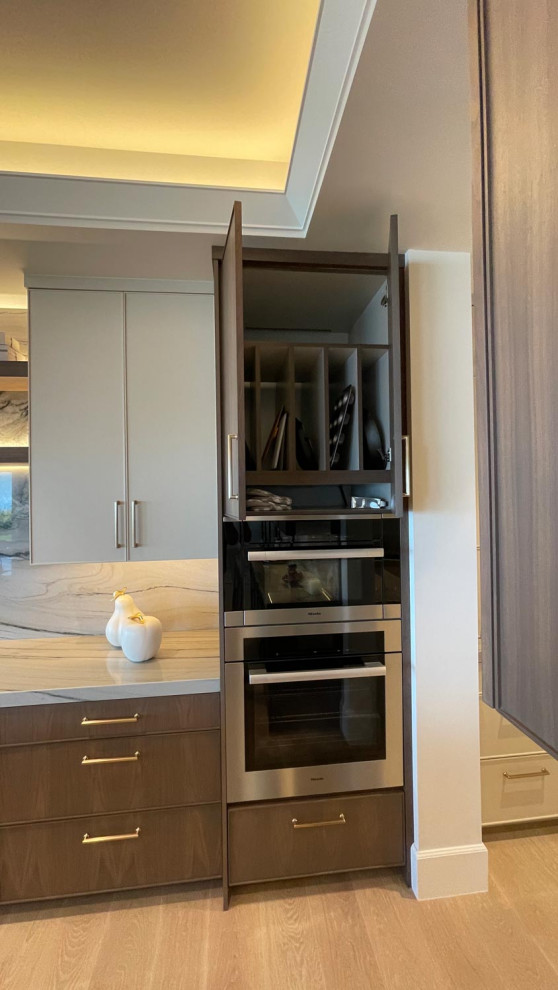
(233, 256)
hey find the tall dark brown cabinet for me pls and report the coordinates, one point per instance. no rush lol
(514, 52)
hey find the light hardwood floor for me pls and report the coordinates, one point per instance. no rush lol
(363, 932)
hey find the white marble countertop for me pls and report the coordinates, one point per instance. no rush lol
(87, 668)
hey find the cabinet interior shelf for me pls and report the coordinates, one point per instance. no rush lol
(332, 477)
(14, 455)
(14, 376)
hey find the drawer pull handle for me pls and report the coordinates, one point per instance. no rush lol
(335, 821)
(109, 721)
(543, 772)
(90, 839)
(88, 761)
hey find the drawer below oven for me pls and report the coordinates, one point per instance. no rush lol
(279, 839)
(50, 859)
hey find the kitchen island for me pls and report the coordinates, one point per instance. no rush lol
(109, 770)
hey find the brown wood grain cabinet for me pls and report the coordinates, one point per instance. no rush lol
(275, 839)
(50, 859)
(142, 784)
(514, 51)
(106, 719)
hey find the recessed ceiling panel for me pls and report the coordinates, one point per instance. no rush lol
(190, 91)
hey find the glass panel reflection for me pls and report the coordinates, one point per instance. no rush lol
(14, 511)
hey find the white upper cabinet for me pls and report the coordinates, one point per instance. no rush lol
(76, 441)
(122, 443)
(172, 480)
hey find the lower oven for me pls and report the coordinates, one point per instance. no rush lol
(313, 709)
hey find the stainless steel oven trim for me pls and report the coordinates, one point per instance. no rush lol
(292, 614)
(333, 674)
(235, 636)
(264, 785)
(338, 554)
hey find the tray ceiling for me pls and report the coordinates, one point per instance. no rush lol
(159, 115)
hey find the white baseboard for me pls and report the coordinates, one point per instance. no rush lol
(450, 871)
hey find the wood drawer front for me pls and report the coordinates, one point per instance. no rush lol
(264, 844)
(51, 723)
(519, 799)
(498, 737)
(50, 781)
(50, 859)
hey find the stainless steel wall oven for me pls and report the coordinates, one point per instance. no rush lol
(313, 708)
(289, 571)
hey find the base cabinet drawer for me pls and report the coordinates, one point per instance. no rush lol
(519, 789)
(137, 850)
(61, 780)
(278, 839)
(104, 719)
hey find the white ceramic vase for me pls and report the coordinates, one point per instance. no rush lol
(140, 637)
(124, 606)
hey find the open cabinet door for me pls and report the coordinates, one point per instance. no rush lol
(394, 327)
(231, 330)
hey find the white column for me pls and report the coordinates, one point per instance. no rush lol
(448, 856)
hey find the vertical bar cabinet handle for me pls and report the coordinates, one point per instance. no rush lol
(230, 438)
(117, 544)
(135, 504)
(407, 467)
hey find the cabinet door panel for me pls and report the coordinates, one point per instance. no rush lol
(514, 47)
(76, 425)
(394, 327)
(172, 446)
(231, 330)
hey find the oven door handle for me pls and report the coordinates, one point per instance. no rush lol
(294, 554)
(333, 674)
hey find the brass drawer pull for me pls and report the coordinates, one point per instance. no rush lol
(543, 772)
(109, 721)
(88, 762)
(336, 821)
(90, 839)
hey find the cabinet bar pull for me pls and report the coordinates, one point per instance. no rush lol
(230, 438)
(135, 504)
(109, 721)
(407, 467)
(117, 544)
(336, 821)
(87, 761)
(90, 839)
(543, 772)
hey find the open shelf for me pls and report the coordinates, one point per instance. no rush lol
(14, 455)
(305, 381)
(14, 376)
(258, 478)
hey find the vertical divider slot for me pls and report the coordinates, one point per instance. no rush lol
(344, 370)
(310, 433)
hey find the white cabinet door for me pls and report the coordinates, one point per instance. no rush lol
(172, 451)
(76, 425)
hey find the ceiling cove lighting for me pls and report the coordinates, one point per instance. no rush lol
(205, 94)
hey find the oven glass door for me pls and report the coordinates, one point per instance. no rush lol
(314, 700)
(318, 713)
(321, 580)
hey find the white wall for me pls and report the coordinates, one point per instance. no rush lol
(448, 856)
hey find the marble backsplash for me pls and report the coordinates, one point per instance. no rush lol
(68, 599)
